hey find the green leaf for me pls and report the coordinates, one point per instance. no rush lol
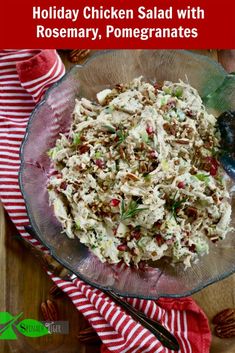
(110, 128)
(121, 135)
(7, 332)
(147, 177)
(5, 317)
(53, 151)
(77, 225)
(32, 328)
(178, 92)
(98, 154)
(202, 177)
(144, 136)
(76, 139)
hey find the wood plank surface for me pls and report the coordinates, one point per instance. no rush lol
(24, 285)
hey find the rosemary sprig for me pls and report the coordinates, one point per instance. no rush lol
(131, 210)
(110, 129)
(175, 205)
(121, 136)
(120, 133)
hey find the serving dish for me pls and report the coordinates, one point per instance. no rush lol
(53, 116)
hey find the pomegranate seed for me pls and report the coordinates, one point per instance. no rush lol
(63, 185)
(181, 185)
(100, 163)
(213, 165)
(192, 248)
(213, 170)
(158, 224)
(114, 202)
(153, 154)
(159, 239)
(122, 247)
(135, 234)
(149, 129)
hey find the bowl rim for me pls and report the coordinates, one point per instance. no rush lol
(32, 222)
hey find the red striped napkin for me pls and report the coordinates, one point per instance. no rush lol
(24, 77)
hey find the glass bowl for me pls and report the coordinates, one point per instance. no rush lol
(53, 116)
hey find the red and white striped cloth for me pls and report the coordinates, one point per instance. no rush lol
(24, 77)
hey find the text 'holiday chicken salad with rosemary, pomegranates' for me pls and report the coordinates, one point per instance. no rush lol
(137, 176)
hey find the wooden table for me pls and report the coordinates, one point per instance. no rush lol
(24, 285)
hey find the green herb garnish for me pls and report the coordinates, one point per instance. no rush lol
(53, 151)
(110, 129)
(131, 210)
(145, 137)
(121, 136)
(147, 177)
(98, 154)
(178, 92)
(202, 177)
(77, 225)
(76, 139)
(174, 206)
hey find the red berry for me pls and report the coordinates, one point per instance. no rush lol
(213, 165)
(100, 163)
(192, 248)
(149, 129)
(158, 224)
(181, 185)
(63, 185)
(213, 170)
(135, 234)
(114, 202)
(122, 247)
(153, 154)
(159, 239)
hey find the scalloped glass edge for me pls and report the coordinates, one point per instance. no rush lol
(31, 219)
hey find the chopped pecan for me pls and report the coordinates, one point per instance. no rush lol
(226, 330)
(49, 310)
(55, 291)
(190, 113)
(132, 176)
(182, 141)
(89, 336)
(84, 149)
(224, 316)
(143, 167)
(120, 87)
(170, 129)
(158, 86)
(193, 170)
(77, 54)
(122, 153)
(191, 212)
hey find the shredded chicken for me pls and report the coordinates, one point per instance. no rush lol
(137, 176)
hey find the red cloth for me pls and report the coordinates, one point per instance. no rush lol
(24, 77)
